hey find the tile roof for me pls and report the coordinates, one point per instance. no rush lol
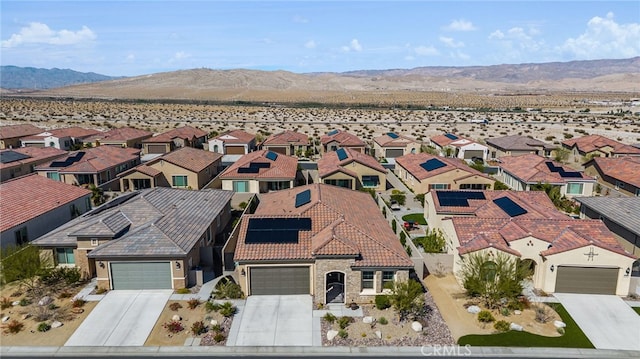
(412, 161)
(284, 167)
(518, 143)
(621, 210)
(386, 141)
(155, 222)
(17, 131)
(235, 137)
(142, 168)
(189, 158)
(185, 132)
(532, 168)
(94, 160)
(443, 140)
(591, 143)
(343, 223)
(287, 138)
(120, 134)
(28, 197)
(626, 169)
(562, 235)
(73, 132)
(345, 139)
(330, 163)
(35, 154)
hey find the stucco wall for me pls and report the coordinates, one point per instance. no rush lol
(449, 177)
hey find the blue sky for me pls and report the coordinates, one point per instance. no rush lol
(140, 37)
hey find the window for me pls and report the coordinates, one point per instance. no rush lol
(619, 184)
(471, 186)
(439, 186)
(638, 192)
(74, 211)
(179, 181)
(87, 203)
(370, 181)
(94, 242)
(574, 188)
(278, 185)
(21, 236)
(387, 279)
(367, 280)
(65, 256)
(53, 175)
(240, 186)
(339, 182)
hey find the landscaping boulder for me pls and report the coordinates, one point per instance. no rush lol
(26, 316)
(416, 326)
(379, 334)
(473, 309)
(16, 303)
(517, 312)
(176, 318)
(559, 324)
(516, 327)
(45, 301)
(56, 324)
(213, 322)
(5, 319)
(331, 334)
(367, 320)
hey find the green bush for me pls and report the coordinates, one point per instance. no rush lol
(183, 291)
(210, 306)
(193, 303)
(329, 318)
(43, 327)
(227, 289)
(198, 328)
(24, 302)
(561, 331)
(505, 311)
(420, 198)
(344, 322)
(79, 302)
(383, 321)
(485, 316)
(499, 186)
(227, 309)
(399, 197)
(501, 326)
(343, 333)
(382, 301)
(219, 337)
(61, 274)
(433, 242)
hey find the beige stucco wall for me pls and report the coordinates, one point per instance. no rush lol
(254, 185)
(341, 176)
(449, 177)
(194, 180)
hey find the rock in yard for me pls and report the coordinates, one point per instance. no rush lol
(331, 334)
(213, 322)
(517, 312)
(56, 324)
(474, 309)
(45, 301)
(16, 303)
(416, 326)
(379, 334)
(176, 318)
(559, 324)
(367, 320)
(26, 316)
(5, 319)
(516, 327)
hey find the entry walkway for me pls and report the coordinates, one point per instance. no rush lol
(606, 320)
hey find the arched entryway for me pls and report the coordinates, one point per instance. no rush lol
(529, 267)
(334, 287)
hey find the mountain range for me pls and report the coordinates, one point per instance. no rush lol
(31, 78)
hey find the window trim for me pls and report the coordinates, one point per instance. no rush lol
(371, 280)
(571, 184)
(173, 181)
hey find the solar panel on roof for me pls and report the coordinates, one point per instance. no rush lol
(260, 164)
(458, 198)
(59, 164)
(552, 167)
(12, 156)
(303, 198)
(509, 206)
(331, 133)
(392, 135)
(276, 230)
(432, 164)
(342, 154)
(248, 170)
(271, 155)
(570, 174)
(451, 136)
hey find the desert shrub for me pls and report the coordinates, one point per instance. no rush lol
(79, 302)
(543, 314)
(383, 321)
(329, 318)
(505, 311)
(485, 316)
(101, 290)
(183, 291)
(41, 314)
(173, 326)
(501, 326)
(382, 301)
(43, 327)
(5, 303)
(175, 306)
(193, 303)
(14, 327)
(420, 198)
(216, 328)
(561, 331)
(342, 333)
(219, 337)
(398, 196)
(227, 289)
(61, 274)
(407, 299)
(227, 309)
(24, 302)
(499, 186)
(64, 295)
(198, 328)
(211, 307)
(344, 322)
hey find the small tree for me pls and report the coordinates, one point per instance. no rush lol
(399, 197)
(561, 155)
(407, 298)
(499, 186)
(22, 264)
(433, 242)
(97, 195)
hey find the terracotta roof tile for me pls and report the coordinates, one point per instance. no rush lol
(73, 132)
(284, 167)
(185, 132)
(344, 139)
(36, 154)
(18, 131)
(287, 138)
(388, 141)
(625, 169)
(586, 144)
(120, 134)
(189, 158)
(411, 163)
(330, 163)
(532, 168)
(518, 143)
(235, 137)
(94, 159)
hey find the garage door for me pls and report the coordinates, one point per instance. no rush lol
(282, 150)
(234, 150)
(279, 280)
(588, 280)
(475, 153)
(156, 148)
(141, 275)
(393, 153)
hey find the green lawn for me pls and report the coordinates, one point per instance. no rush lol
(637, 309)
(573, 337)
(415, 217)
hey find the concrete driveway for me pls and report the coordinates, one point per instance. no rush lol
(275, 320)
(606, 320)
(121, 318)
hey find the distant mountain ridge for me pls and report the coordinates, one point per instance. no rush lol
(31, 78)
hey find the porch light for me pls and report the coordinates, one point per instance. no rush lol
(101, 264)
(242, 272)
(626, 273)
(552, 268)
(178, 265)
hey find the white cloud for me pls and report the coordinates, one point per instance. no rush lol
(179, 56)
(496, 35)
(450, 42)
(39, 33)
(310, 44)
(354, 45)
(130, 58)
(605, 38)
(300, 19)
(517, 40)
(426, 51)
(460, 25)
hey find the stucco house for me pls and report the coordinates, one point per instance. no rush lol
(586, 147)
(327, 241)
(235, 142)
(260, 172)
(516, 145)
(450, 145)
(122, 137)
(185, 167)
(522, 172)
(61, 138)
(10, 135)
(423, 172)
(621, 173)
(392, 145)
(290, 143)
(352, 169)
(149, 239)
(336, 139)
(185, 136)
(21, 161)
(32, 205)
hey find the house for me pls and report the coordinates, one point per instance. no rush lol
(423, 172)
(290, 143)
(259, 172)
(186, 136)
(392, 145)
(352, 169)
(10, 135)
(587, 147)
(185, 167)
(21, 161)
(327, 241)
(337, 139)
(122, 137)
(563, 255)
(32, 205)
(621, 173)
(98, 166)
(516, 145)
(450, 145)
(235, 142)
(522, 172)
(61, 138)
(151, 239)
